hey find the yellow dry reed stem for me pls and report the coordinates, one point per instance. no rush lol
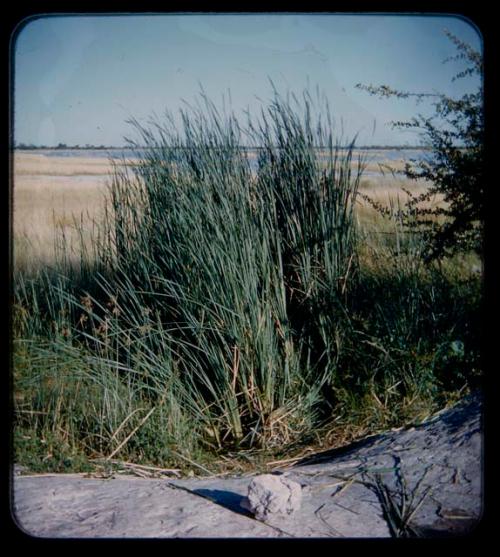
(131, 434)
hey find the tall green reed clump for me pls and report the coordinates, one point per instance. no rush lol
(244, 267)
(212, 312)
(226, 301)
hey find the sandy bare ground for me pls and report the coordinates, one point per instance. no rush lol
(438, 462)
(29, 164)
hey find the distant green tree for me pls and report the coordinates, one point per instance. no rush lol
(455, 167)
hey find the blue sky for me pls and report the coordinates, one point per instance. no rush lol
(77, 79)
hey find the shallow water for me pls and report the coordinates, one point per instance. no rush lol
(372, 157)
(375, 155)
(88, 153)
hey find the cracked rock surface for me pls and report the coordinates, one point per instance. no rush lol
(435, 469)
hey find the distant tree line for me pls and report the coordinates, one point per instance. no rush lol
(61, 146)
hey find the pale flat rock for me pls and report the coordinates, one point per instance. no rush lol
(439, 461)
(70, 506)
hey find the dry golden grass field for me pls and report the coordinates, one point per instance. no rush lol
(52, 194)
(48, 194)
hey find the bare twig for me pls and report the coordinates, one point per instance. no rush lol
(142, 467)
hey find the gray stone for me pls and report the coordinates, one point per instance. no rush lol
(438, 461)
(269, 494)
